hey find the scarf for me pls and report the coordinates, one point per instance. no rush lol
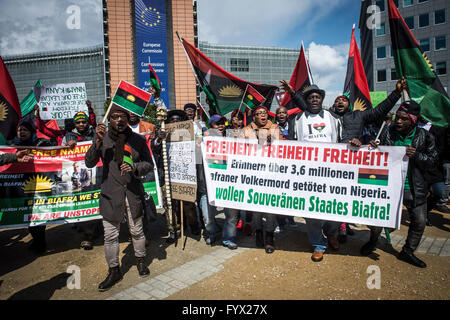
(120, 138)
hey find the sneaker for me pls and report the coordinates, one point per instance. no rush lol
(230, 244)
(277, 229)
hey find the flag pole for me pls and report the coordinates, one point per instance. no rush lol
(189, 60)
(201, 107)
(307, 65)
(110, 104)
(182, 224)
(242, 100)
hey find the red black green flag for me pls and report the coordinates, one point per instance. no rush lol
(252, 98)
(131, 98)
(223, 89)
(424, 85)
(154, 80)
(377, 177)
(127, 157)
(10, 112)
(216, 161)
(355, 85)
(300, 80)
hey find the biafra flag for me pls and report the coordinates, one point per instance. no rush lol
(377, 177)
(224, 90)
(216, 161)
(10, 113)
(154, 80)
(424, 85)
(301, 79)
(355, 85)
(252, 98)
(131, 98)
(127, 156)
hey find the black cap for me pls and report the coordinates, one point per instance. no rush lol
(311, 89)
(190, 106)
(176, 112)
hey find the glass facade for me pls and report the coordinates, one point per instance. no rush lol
(84, 65)
(266, 65)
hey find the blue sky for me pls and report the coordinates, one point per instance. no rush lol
(324, 26)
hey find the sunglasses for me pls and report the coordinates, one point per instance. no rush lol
(81, 122)
(117, 116)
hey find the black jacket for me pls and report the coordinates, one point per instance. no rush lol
(78, 137)
(425, 157)
(436, 173)
(353, 122)
(115, 186)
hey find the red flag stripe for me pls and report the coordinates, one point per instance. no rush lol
(255, 93)
(358, 68)
(395, 14)
(135, 91)
(299, 75)
(7, 88)
(373, 171)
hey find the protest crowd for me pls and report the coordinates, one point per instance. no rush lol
(125, 144)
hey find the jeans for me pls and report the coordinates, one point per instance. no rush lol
(314, 229)
(112, 238)
(418, 217)
(440, 192)
(209, 217)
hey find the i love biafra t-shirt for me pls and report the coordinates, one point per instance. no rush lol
(319, 127)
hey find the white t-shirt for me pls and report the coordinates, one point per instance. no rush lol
(321, 127)
(135, 128)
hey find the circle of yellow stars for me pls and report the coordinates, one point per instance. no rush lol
(150, 10)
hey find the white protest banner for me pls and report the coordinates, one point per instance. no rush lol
(181, 160)
(313, 180)
(62, 101)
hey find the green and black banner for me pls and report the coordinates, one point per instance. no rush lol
(56, 187)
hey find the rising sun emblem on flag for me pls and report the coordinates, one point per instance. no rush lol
(38, 183)
(359, 105)
(3, 111)
(428, 61)
(230, 91)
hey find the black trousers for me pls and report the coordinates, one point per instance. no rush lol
(417, 216)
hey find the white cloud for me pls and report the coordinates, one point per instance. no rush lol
(329, 66)
(262, 22)
(29, 26)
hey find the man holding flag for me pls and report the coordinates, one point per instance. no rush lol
(125, 157)
(353, 121)
(422, 154)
